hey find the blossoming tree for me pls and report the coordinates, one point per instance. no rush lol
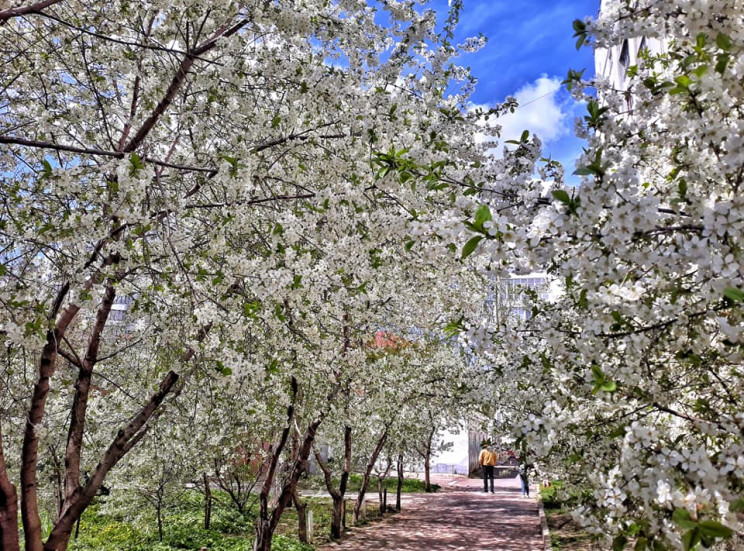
(628, 379)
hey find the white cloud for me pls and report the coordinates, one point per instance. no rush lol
(538, 111)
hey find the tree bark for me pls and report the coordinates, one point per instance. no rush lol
(30, 446)
(159, 508)
(301, 508)
(399, 489)
(73, 451)
(427, 471)
(379, 496)
(207, 502)
(8, 506)
(266, 522)
(338, 511)
(368, 472)
(427, 460)
(125, 440)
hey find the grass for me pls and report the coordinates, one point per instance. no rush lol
(104, 528)
(410, 485)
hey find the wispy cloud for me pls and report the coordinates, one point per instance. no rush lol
(540, 111)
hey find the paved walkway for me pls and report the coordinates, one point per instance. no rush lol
(458, 517)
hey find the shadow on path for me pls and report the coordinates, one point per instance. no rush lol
(458, 517)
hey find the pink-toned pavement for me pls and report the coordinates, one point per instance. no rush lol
(458, 517)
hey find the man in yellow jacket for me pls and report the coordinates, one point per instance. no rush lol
(487, 460)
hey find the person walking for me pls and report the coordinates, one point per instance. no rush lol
(487, 461)
(523, 471)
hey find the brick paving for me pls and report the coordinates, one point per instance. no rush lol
(458, 517)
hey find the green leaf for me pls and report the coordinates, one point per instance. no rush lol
(276, 121)
(471, 245)
(562, 196)
(722, 61)
(641, 544)
(715, 529)
(682, 185)
(583, 171)
(525, 136)
(682, 518)
(483, 214)
(135, 164)
(250, 308)
(737, 295)
(619, 543)
(47, 168)
(724, 42)
(597, 372)
(690, 539)
(573, 458)
(297, 282)
(736, 507)
(609, 386)
(683, 80)
(454, 327)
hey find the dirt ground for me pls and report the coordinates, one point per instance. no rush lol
(566, 535)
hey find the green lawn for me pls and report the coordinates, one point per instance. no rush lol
(103, 528)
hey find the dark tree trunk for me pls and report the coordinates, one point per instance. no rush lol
(30, 446)
(427, 471)
(124, 441)
(380, 497)
(399, 489)
(159, 508)
(267, 521)
(338, 513)
(368, 472)
(301, 508)
(207, 503)
(8, 507)
(337, 516)
(427, 459)
(264, 534)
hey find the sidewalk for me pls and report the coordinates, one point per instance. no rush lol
(458, 517)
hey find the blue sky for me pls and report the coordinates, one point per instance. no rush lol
(529, 52)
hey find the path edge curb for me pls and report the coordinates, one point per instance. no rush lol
(543, 524)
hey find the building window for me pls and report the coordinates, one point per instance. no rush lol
(625, 56)
(643, 46)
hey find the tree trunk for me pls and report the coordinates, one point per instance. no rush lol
(427, 470)
(124, 441)
(207, 503)
(8, 507)
(399, 489)
(159, 508)
(30, 446)
(337, 516)
(264, 534)
(267, 521)
(301, 508)
(379, 495)
(368, 472)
